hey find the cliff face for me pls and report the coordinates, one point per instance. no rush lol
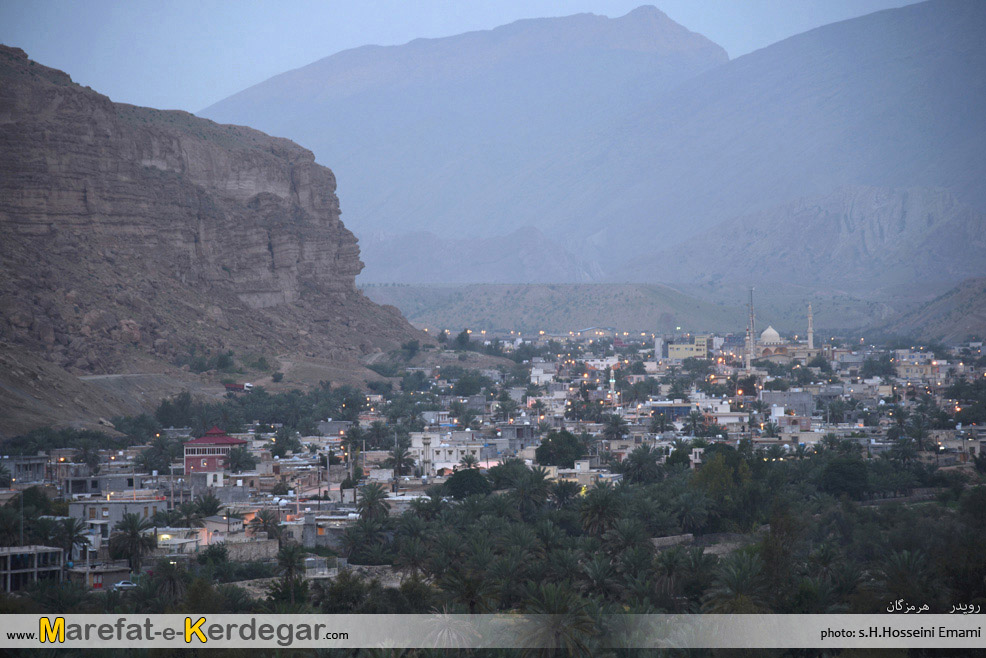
(131, 233)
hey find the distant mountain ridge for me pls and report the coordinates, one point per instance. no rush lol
(856, 239)
(615, 152)
(438, 135)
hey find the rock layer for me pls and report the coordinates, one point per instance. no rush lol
(132, 234)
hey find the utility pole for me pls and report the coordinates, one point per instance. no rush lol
(21, 497)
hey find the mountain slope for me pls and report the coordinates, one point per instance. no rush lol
(855, 239)
(612, 156)
(131, 236)
(454, 136)
(952, 318)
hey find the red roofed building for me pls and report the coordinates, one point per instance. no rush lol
(208, 453)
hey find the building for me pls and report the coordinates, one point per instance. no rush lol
(26, 468)
(208, 453)
(22, 565)
(802, 403)
(102, 513)
(696, 348)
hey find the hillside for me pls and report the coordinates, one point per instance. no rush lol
(628, 307)
(954, 317)
(132, 236)
(612, 170)
(554, 307)
(856, 239)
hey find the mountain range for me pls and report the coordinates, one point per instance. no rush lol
(619, 144)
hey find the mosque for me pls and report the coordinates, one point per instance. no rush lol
(771, 347)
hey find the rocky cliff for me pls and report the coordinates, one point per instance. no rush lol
(131, 235)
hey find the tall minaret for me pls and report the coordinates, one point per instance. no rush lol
(811, 330)
(751, 336)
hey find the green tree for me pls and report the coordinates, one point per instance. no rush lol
(739, 586)
(291, 562)
(268, 521)
(468, 482)
(559, 448)
(132, 539)
(70, 533)
(240, 459)
(400, 458)
(372, 503)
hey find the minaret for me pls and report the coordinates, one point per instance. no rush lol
(811, 330)
(751, 337)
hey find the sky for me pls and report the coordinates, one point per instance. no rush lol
(189, 54)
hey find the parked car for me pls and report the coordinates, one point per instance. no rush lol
(124, 585)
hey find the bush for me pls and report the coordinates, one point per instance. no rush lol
(467, 483)
(277, 376)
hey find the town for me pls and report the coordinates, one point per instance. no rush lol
(277, 499)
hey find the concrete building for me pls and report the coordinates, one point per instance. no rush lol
(21, 566)
(697, 347)
(26, 468)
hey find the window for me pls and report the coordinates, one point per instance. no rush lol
(145, 512)
(130, 482)
(205, 463)
(92, 512)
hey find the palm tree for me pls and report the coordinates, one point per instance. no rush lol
(189, 515)
(88, 454)
(377, 433)
(771, 429)
(267, 520)
(563, 619)
(290, 562)
(918, 429)
(208, 504)
(400, 458)
(69, 533)
(166, 518)
(9, 526)
(641, 465)
(615, 427)
(411, 556)
(468, 461)
(43, 531)
(599, 577)
(372, 504)
(530, 491)
(739, 586)
(170, 578)
(695, 419)
(132, 540)
(599, 509)
(240, 459)
(563, 492)
(625, 535)
(5, 476)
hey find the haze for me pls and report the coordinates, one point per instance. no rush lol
(188, 55)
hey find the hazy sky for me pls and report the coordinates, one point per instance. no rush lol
(188, 54)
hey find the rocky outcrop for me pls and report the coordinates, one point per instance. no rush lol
(132, 234)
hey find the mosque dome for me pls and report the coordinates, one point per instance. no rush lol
(770, 336)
